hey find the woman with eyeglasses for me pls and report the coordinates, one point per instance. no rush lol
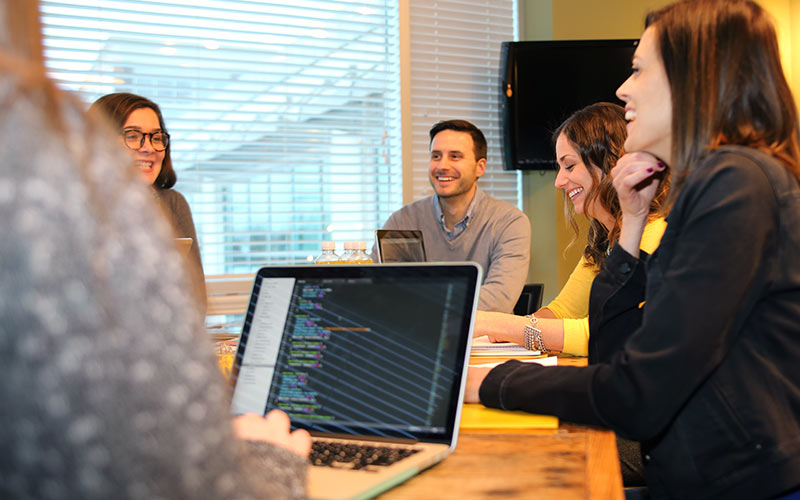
(144, 133)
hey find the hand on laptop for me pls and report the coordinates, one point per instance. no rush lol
(274, 428)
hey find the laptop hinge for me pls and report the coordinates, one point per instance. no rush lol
(382, 439)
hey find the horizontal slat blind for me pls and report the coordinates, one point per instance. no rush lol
(284, 116)
(455, 70)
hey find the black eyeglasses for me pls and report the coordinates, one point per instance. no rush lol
(134, 139)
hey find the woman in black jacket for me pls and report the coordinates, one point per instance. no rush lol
(693, 350)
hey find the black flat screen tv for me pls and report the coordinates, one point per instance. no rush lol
(543, 82)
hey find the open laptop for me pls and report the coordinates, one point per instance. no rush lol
(372, 355)
(399, 245)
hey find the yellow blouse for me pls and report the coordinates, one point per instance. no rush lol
(572, 302)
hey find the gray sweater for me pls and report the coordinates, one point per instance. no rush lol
(179, 214)
(109, 386)
(498, 238)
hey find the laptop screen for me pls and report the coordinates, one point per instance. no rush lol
(365, 350)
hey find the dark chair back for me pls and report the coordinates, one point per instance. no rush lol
(530, 300)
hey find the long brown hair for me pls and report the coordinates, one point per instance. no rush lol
(22, 37)
(722, 61)
(597, 132)
(21, 54)
(21, 58)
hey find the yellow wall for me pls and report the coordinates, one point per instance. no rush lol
(793, 66)
(592, 19)
(539, 196)
(786, 15)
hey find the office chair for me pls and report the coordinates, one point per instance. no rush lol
(530, 300)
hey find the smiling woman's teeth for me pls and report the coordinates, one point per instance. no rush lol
(144, 164)
(630, 115)
(574, 192)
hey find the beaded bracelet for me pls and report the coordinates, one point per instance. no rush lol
(533, 336)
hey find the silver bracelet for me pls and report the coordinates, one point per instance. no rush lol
(533, 336)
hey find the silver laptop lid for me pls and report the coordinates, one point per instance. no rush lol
(399, 245)
(365, 350)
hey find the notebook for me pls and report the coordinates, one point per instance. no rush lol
(482, 346)
(371, 355)
(399, 245)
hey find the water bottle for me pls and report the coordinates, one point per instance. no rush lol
(328, 256)
(360, 255)
(347, 254)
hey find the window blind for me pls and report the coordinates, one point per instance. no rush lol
(455, 71)
(284, 117)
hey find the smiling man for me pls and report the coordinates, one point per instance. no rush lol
(460, 222)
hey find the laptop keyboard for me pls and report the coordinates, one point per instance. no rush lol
(356, 456)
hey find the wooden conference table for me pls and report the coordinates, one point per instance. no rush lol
(569, 462)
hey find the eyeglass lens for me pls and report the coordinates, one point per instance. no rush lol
(135, 139)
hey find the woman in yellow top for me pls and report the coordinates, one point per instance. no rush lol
(588, 145)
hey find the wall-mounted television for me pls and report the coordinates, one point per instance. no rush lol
(542, 83)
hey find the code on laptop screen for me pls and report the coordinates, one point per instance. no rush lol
(376, 354)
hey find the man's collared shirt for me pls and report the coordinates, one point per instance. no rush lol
(461, 225)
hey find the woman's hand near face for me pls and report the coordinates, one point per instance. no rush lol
(636, 178)
(274, 428)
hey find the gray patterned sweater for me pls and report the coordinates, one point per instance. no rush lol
(109, 388)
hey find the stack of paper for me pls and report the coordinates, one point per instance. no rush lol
(482, 346)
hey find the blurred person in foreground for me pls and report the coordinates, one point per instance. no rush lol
(109, 387)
